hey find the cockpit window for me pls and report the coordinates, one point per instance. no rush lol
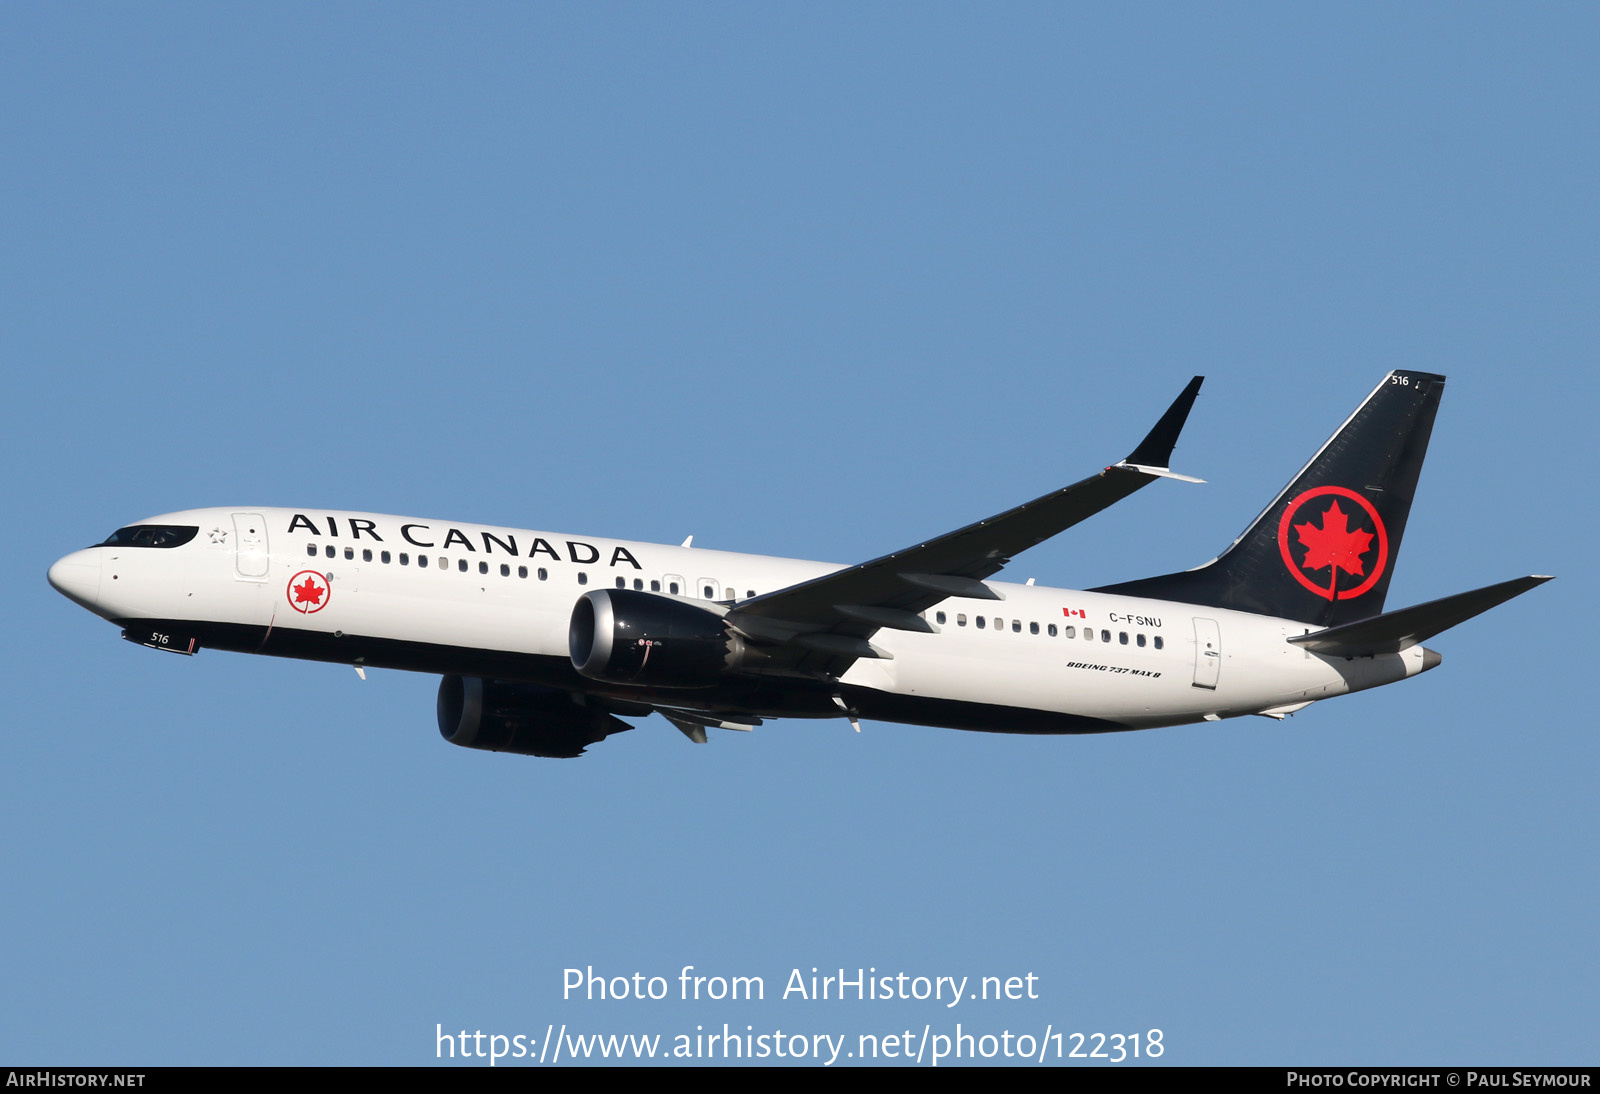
(152, 535)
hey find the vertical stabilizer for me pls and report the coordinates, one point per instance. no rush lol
(1324, 550)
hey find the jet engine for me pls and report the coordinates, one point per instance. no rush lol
(523, 718)
(627, 637)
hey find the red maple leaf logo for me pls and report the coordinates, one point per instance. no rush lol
(1334, 544)
(308, 593)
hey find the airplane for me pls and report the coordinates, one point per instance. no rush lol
(546, 642)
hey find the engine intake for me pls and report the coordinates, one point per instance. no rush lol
(627, 637)
(523, 718)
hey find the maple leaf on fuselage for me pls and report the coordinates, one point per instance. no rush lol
(307, 593)
(1334, 544)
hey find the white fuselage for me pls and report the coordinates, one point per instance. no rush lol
(443, 596)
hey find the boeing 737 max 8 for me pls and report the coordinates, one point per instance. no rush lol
(546, 641)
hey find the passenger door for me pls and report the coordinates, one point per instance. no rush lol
(1207, 653)
(251, 556)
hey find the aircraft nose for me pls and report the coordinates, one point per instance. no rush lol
(77, 577)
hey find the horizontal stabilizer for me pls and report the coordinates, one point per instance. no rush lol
(1392, 632)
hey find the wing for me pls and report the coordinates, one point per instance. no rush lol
(821, 626)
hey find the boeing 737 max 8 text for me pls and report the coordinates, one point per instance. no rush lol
(547, 641)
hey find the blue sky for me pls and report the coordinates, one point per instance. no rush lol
(811, 280)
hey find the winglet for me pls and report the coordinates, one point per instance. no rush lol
(1156, 449)
(1159, 472)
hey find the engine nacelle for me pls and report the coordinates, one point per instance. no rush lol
(522, 718)
(627, 637)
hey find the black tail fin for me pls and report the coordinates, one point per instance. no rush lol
(1324, 550)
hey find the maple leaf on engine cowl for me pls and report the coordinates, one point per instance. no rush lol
(307, 593)
(1334, 544)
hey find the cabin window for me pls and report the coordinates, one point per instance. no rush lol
(366, 554)
(543, 574)
(384, 555)
(1158, 641)
(311, 549)
(655, 586)
(1016, 627)
(1052, 629)
(522, 571)
(673, 588)
(1140, 640)
(483, 567)
(328, 550)
(349, 554)
(422, 561)
(961, 619)
(938, 617)
(583, 578)
(638, 585)
(622, 583)
(1033, 628)
(979, 622)
(405, 559)
(750, 592)
(1122, 636)
(711, 593)
(1105, 636)
(505, 570)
